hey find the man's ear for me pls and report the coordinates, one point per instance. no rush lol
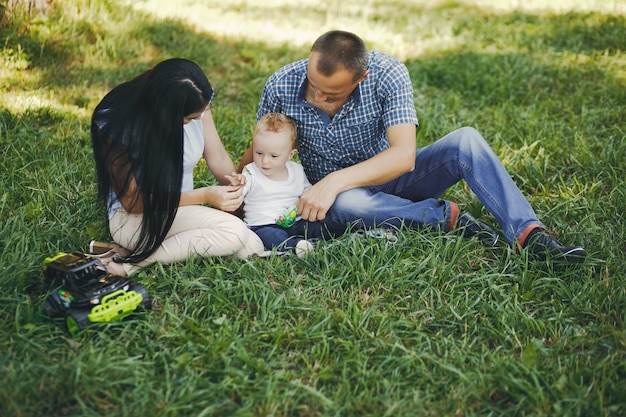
(364, 76)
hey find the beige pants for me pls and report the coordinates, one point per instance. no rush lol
(196, 231)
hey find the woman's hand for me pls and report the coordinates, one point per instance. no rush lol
(224, 197)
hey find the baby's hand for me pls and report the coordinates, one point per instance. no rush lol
(236, 179)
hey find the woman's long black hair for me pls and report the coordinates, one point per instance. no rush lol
(137, 134)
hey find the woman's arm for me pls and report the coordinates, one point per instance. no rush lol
(217, 159)
(225, 197)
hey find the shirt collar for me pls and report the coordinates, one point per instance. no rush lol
(302, 93)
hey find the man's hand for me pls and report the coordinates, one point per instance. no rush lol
(316, 201)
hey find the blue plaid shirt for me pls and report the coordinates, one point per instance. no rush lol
(358, 130)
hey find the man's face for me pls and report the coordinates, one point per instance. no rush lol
(335, 89)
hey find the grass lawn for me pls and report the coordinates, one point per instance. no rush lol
(434, 325)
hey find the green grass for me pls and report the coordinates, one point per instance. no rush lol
(434, 325)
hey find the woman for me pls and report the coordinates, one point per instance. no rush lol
(148, 135)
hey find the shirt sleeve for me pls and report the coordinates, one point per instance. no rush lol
(396, 88)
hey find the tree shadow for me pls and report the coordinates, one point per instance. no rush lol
(590, 33)
(557, 70)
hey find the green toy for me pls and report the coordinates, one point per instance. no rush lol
(87, 293)
(288, 218)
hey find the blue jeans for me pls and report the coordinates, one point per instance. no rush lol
(412, 199)
(284, 239)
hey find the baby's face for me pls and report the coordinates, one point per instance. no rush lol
(271, 151)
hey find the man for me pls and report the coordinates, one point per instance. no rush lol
(356, 125)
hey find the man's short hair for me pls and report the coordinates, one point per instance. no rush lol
(341, 49)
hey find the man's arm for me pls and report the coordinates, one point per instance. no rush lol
(388, 165)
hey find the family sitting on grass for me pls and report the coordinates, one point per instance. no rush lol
(350, 114)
